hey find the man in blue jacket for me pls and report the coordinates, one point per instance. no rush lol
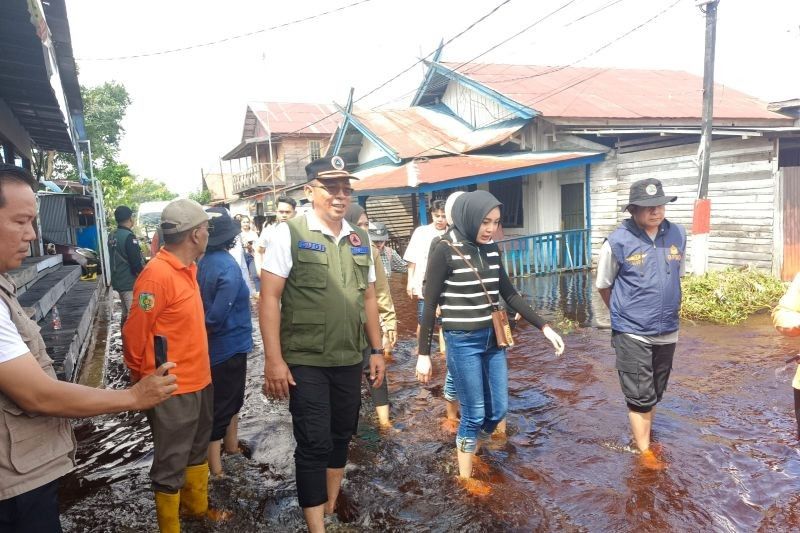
(639, 278)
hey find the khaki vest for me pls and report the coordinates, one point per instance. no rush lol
(322, 307)
(34, 450)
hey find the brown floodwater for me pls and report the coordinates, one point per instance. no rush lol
(726, 426)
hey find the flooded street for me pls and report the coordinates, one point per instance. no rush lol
(726, 426)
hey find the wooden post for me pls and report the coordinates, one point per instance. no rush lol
(701, 222)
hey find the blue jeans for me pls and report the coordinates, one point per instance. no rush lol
(450, 393)
(480, 375)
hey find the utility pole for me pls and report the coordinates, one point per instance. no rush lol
(701, 222)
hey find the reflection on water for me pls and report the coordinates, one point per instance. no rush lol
(726, 426)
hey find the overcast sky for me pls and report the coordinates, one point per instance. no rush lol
(188, 107)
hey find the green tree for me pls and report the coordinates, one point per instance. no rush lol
(127, 189)
(104, 107)
(201, 196)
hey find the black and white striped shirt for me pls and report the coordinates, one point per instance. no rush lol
(452, 283)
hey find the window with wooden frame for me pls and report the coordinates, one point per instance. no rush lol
(509, 191)
(314, 150)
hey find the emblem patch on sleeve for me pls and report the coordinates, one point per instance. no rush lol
(147, 301)
(355, 240)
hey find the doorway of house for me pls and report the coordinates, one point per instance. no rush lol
(572, 217)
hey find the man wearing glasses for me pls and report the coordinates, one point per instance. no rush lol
(317, 311)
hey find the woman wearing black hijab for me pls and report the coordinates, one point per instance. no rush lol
(477, 364)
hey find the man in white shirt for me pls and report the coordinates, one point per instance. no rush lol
(318, 312)
(286, 210)
(417, 257)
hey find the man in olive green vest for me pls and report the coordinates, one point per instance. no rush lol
(317, 310)
(126, 258)
(36, 442)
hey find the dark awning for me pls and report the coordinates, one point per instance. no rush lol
(24, 79)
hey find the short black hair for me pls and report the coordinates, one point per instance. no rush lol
(286, 200)
(18, 174)
(437, 205)
(225, 246)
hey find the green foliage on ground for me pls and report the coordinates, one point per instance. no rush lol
(729, 296)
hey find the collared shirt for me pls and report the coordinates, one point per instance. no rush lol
(417, 252)
(279, 242)
(166, 301)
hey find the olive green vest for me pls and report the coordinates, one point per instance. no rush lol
(34, 449)
(322, 307)
(122, 279)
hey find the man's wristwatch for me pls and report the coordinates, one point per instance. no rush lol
(376, 351)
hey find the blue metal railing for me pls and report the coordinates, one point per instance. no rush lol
(545, 253)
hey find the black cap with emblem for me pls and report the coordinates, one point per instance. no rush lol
(328, 168)
(648, 193)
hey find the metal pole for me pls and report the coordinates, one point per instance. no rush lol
(701, 221)
(100, 221)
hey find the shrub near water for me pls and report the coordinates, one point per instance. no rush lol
(729, 296)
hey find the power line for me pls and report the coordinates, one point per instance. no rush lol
(462, 32)
(442, 84)
(450, 40)
(226, 39)
(571, 83)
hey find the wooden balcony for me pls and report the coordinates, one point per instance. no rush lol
(259, 176)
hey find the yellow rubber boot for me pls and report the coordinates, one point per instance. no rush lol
(167, 506)
(194, 494)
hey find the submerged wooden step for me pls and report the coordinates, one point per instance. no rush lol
(32, 270)
(67, 346)
(46, 291)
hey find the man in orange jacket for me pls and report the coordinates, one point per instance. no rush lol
(786, 318)
(167, 302)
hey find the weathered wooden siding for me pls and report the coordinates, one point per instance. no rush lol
(790, 210)
(603, 185)
(397, 213)
(474, 108)
(295, 154)
(741, 189)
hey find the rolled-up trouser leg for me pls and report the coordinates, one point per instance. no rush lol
(324, 404)
(345, 396)
(309, 403)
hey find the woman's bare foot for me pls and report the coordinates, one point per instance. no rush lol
(475, 487)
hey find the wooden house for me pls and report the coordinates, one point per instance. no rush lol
(598, 130)
(278, 140)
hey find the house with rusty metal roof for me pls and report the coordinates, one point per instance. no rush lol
(278, 140)
(559, 146)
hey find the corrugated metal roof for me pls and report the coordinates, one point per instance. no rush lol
(288, 117)
(580, 92)
(425, 131)
(442, 169)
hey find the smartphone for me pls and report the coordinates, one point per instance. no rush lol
(160, 346)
